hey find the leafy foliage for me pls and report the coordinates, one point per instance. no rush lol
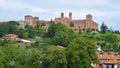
(13, 56)
(103, 28)
(56, 28)
(53, 57)
(80, 54)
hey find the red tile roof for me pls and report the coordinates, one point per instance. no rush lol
(11, 36)
(108, 55)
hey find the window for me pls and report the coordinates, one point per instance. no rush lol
(103, 61)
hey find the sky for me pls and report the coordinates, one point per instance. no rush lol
(107, 11)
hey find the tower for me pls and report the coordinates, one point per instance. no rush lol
(31, 20)
(70, 15)
(28, 19)
(35, 20)
(88, 17)
(88, 21)
(62, 15)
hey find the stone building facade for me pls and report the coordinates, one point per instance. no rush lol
(78, 24)
(69, 22)
(31, 20)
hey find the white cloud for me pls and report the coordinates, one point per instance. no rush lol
(85, 3)
(6, 4)
(10, 5)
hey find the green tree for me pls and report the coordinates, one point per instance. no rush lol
(2, 58)
(89, 30)
(61, 39)
(111, 38)
(56, 28)
(53, 57)
(3, 29)
(8, 27)
(59, 34)
(79, 54)
(31, 31)
(103, 28)
(51, 30)
(71, 24)
(14, 54)
(21, 33)
(12, 26)
(80, 31)
(32, 59)
(25, 35)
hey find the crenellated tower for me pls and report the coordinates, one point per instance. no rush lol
(88, 21)
(31, 20)
(70, 16)
(62, 15)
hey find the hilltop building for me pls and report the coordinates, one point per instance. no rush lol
(84, 24)
(31, 20)
(77, 24)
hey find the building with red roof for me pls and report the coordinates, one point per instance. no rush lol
(11, 37)
(108, 60)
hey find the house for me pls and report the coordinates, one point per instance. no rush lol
(11, 37)
(108, 60)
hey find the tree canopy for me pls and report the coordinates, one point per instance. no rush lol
(54, 29)
(53, 57)
(81, 53)
(103, 28)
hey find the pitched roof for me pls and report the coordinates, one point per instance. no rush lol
(11, 35)
(111, 57)
(108, 55)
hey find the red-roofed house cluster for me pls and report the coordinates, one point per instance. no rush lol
(108, 60)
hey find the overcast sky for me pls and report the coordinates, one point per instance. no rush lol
(101, 10)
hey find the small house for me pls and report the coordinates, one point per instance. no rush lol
(11, 37)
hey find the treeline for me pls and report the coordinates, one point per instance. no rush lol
(12, 27)
(8, 27)
(80, 53)
(13, 56)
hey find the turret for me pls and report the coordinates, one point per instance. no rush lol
(62, 15)
(28, 19)
(88, 21)
(36, 18)
(70, 15)
(88, 17)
